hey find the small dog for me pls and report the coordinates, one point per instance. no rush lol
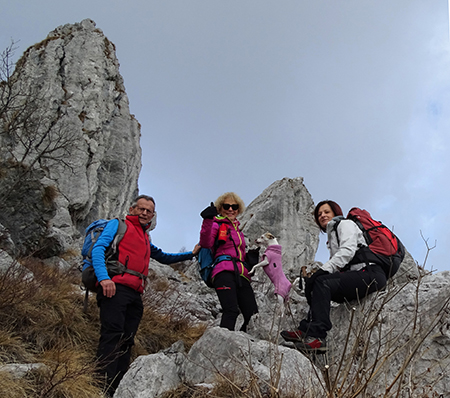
(271, 263)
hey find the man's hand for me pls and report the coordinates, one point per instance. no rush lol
(109, 287)
(196, 249)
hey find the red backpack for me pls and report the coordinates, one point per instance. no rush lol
(383, 246)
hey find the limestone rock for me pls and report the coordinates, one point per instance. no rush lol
(221, 353)
(391, 325)
(6, 243)
(12, 266)
(237, 354)
(384, 329)
(284, 209)
(149, 376)
(408, 270)
(169, 288)
(78, 102)
(20, 370)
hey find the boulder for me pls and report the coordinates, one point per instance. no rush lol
(149, 376)
(221, 355)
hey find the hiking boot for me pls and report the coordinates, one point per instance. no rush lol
(312, 344)
(295, 335)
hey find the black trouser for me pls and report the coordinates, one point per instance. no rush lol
(339, 287)
(235, 293)
(120, 316)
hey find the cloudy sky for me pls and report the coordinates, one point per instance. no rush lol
(352, 95)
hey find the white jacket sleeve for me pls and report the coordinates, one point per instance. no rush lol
(342, 253)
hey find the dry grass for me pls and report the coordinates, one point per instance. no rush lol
(42, 321)
(15, 388)
(49, 195)
(159, 330)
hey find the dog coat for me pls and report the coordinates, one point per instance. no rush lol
(274, 271)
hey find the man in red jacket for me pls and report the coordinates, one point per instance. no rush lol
(120, 298)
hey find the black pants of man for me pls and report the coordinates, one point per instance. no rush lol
(339, 287)
(235, 295)
(120, 316)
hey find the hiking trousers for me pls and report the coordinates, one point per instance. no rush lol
(235, 295)
(120, 316)
(339, 287)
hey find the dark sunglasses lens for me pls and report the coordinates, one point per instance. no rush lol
(227, 206)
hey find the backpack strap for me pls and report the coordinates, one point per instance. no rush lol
(112, 249)
(235, 261)
(335, 226)
(338, 220)
(116, 268)
(227, 257)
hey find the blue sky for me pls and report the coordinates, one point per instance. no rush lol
(351, 95)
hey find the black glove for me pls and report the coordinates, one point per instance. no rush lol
(309, 283)
(252, 257)
(210, 212)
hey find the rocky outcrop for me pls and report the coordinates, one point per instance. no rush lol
(75, 155)
(285, 209)
(402, 332)
(263, 367)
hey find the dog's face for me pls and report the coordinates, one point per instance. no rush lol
(266, 239)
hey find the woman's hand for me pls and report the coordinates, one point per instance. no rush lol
(210, 212)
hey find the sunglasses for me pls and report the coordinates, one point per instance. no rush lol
(226, 206)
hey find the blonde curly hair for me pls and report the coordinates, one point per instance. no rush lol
(222, 198)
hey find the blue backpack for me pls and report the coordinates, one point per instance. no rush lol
(93, 232)
(206, 264)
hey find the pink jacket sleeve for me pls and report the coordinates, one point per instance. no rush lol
(208, 233)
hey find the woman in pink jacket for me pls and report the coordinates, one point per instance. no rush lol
(220, 232)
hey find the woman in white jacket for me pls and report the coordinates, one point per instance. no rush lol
(335, 280)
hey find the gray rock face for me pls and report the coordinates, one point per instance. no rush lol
(220, 351)
(403, 332)
(285, 209)
(89, 157)
(154, 374)
(217, 355)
